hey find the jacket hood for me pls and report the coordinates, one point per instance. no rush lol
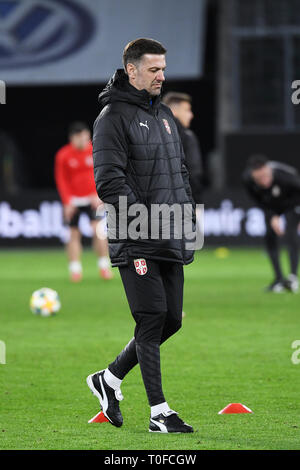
(118, 88)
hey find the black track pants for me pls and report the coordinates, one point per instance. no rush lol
(292, 242)
(155, 300)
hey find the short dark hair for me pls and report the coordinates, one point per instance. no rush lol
(255, 162)
(134, 50)
(77, 127)
(174, 97)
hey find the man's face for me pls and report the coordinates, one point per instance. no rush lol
(183, 112)
(81, 140)
(148, 74)
(263, 176)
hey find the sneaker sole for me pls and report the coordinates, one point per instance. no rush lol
(166, 432)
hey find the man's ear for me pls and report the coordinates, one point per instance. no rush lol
(131, 70)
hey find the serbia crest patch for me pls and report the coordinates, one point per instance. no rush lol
(140, 266)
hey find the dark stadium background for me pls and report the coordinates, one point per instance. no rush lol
(38, 118)
(241, 102)
(239, 344)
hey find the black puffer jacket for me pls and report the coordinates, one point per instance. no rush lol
(193, 159)
(138, 154)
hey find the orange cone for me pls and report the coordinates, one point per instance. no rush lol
(233, 408)
(98, 418)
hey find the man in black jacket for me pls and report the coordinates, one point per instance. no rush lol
(275, 187)
(138, 157)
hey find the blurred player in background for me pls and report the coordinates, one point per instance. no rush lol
(275, 187)
(74, 176)
(181, 107)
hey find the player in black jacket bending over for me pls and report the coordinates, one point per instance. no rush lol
(138, 155)
(276, 188)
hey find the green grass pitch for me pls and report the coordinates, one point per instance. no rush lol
(235, 346)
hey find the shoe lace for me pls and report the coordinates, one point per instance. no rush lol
(169, 413)
(176, 417)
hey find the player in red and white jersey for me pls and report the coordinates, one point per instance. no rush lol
(74, 176)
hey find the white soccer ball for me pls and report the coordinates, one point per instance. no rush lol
(45, 302)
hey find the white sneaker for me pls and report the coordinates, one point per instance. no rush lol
(292, 283)
(169, 422)
(109, 399)
(276, 286)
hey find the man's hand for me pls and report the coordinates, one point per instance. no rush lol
(96, 202)
(69, 211)
(277, 225)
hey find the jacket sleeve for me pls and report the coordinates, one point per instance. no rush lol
(186, 176)
(184, 170)
(110, 155)
(61, 178)
(193, 163)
